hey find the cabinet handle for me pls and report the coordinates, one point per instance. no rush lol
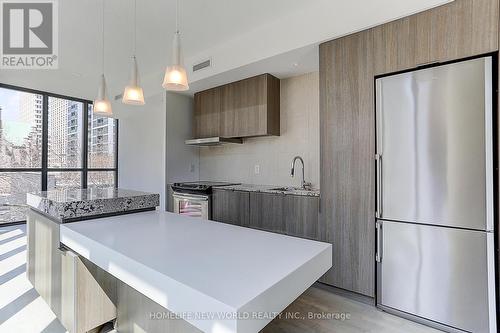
(378, 255)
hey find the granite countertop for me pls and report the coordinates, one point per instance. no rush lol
(270, 189)
(69, 205)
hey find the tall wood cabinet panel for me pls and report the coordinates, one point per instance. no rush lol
(347, 149)
(231, 207)
(348, 66)
(266, 211)
(250, 107)
(207, 106)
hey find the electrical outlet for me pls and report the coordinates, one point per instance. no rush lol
(256, 169)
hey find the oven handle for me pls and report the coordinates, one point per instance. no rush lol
(192, 197)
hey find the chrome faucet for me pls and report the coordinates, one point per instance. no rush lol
(305, 185)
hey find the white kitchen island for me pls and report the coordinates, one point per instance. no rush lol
(218, 277)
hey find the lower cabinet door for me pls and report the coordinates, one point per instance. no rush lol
(230, 207)
(301, 216)
(266, 211)
(85, 305)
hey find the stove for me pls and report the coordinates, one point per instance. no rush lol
(200, 187)
(194, 199)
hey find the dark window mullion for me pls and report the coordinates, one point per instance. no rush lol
(85, 144)
(45, 140)
(116, 153)
(20, 170)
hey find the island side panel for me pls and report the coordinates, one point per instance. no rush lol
(44, 259)
(64, 283)
(136, 310)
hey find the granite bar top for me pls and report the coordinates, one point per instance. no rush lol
(68, 205)
(270, 189)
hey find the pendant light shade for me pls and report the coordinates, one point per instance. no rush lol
(133, 93)
(102, 105)
(175, 75)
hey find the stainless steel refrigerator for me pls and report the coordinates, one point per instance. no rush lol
(435, 196)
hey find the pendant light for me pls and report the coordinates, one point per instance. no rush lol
(175, 76)
(133, 93)
(102, 105)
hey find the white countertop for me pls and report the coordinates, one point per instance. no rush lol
(195, 266)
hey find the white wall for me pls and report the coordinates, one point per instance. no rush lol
(142, 147)
(182, 161)
(299, 136)
(151, 149)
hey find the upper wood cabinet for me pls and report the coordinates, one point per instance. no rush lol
(207, 113)
(245, 108)
(251, 107)
(453, 31)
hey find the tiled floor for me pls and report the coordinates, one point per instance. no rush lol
(23, 311)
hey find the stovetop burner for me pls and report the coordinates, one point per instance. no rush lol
(200, 187)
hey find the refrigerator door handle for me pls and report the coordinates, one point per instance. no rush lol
(378, 254)
(378, 163)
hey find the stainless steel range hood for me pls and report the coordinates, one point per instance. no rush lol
(214, 141)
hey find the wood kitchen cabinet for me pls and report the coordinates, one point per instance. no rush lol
(347, 150)
(266, 211)
(251, 107)
(230, 207)
(301, 216)
(457, 30)
(293, 215)
(246, 108)
(207, 106)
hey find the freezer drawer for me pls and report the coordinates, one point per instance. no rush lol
(434, 136)
(442, 274)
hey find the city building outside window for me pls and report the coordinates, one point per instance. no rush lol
(51, 142)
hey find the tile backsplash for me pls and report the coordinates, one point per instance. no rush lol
(273, 155)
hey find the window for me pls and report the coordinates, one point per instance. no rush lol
(50, 142)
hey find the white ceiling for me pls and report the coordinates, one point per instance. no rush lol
(242, 37)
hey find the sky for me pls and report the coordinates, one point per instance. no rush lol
(14, 130)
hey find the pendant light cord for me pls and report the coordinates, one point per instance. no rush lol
(102, 37)
(135, 27)
(177, 17)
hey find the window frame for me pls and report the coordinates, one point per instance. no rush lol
(44, 169)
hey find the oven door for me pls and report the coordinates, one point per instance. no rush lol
(192, 205)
